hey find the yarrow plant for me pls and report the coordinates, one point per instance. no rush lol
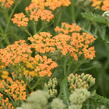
(101, 4)
(48, 56)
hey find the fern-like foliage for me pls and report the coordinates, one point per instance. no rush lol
(100, 100)
(96, 102)
(95, 17)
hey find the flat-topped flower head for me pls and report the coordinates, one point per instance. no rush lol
(52, 4)
(82, 45)
(20, 20)
(43, 14)
(38, 11)
(41, 66)
(42, 9)
(15, 88)
(43, 42)
(7, 3)
(68, 28)
(15, 53)
(5, 103)
(70, 39)
(101, 4)
(39, 3)
(61, 43)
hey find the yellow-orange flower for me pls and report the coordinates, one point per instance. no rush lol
(42, 66)
(105, 6)
(42, 9)
(5, 74)
(101, 4)
(15, 53)
(15, 88)
(43, 42)
(39, 12)
(71, 40)
(7, 3)
(61, 43)
(52, 4)
(67, 28)
(4, 103)
(20, 19)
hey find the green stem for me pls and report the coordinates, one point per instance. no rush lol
(107, 62)
(64, 85)
(73, 11)
(36, 84)
(26, 31)
(58, 18)
(43, 26)
(70, 65)
(85, 69)
(9, 20)
(78, 66)
(34, 27)
(13, 102)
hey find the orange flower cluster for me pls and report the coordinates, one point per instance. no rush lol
(15, 88)
(20, 53)
(52, 4)
(67, 28)
(101, 4)
(4, 103)
(20, 19)
(69, 40)
(7, 3)
(75, 42)
(37, 11)
(43, 42)
(15, 53)
(61, 43)
(39, 65)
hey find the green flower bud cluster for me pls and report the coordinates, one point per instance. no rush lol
(39, 100)
(78, 97)
(77, 81)
(57, 104)
(51, 87)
